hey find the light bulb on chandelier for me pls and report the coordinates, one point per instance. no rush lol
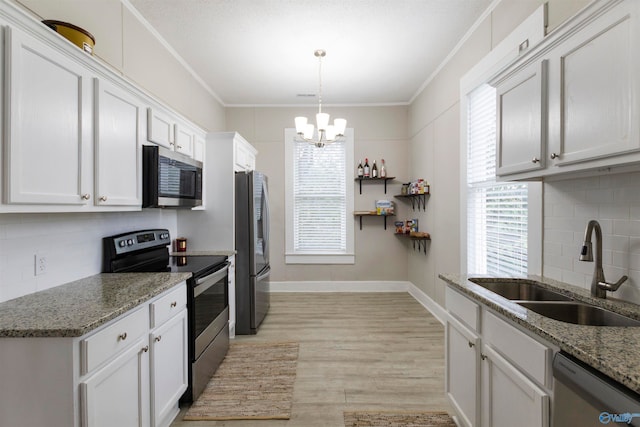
(326, 133)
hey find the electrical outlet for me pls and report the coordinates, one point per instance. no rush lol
(40, 261)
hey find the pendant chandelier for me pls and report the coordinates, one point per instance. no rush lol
(326, 133)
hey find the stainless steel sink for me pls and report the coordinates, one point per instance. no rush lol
(519, 290)
(578, 313)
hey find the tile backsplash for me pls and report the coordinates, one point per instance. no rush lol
(70, 242)
(612, 200)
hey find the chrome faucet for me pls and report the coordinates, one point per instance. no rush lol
(599, 285)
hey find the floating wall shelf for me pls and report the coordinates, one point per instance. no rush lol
(361, 214)
(420, 242)
(415, 199)
(376, 180)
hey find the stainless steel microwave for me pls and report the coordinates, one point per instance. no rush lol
(170, 179)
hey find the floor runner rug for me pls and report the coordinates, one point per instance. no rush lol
(254, 381)
(397, 419)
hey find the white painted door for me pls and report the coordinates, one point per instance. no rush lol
(49, 140)
(509, 398)
(521, 120)
(118, 394)
(118, 134)
(595, 89)
(169, 375)
(462, 374)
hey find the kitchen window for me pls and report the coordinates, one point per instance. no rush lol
(319, 201)
(502, 232)
(497, 212)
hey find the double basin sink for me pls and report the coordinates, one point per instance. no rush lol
(553, 305)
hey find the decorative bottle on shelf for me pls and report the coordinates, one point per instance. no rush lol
(360, 169)
(383, 169)
(374, 170)
(366, 168)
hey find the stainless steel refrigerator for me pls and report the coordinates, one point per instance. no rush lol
(252, 251)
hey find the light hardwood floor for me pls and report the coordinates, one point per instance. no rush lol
(358, 351)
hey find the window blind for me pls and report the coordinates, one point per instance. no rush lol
(320, 199)
(496, 211)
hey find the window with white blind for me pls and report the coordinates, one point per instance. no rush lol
(319, 201)
(497, 212)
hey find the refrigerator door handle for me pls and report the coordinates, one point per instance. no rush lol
(265, 222)
(264, 275)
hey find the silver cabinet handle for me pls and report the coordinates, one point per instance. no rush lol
(158, 338)
(471, 344)
(483, 356)
(173, 304)
(103, 198)
(86, 196)
(145, 348)
(535, 160)
(179, 146)
(554, 156)
(122, 337)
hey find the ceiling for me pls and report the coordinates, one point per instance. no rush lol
(260, 52)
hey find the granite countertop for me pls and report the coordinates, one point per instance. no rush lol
(614, 351)
(76, 308)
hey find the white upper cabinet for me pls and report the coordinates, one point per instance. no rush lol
(160, 128)
(49, 142)
(119, 118)
(185, 139)
(595, 101)
(244, 154)
(571, 103)
(521, 120)
(168, 131)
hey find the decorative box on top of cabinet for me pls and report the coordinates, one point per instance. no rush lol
(581, 87)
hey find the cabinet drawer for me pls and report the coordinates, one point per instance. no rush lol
(168, 305)
(523, 351)
(110, 340)
(463, 308)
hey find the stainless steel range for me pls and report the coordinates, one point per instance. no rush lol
(207, 294)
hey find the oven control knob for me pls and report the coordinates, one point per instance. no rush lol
(164, 236)
(129, 242)
(122, 243)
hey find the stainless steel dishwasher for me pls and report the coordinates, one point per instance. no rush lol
(584, 397)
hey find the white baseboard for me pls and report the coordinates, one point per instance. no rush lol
(363, 286)
(427, 302)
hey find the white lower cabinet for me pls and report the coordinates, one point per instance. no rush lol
(169, 375)
(508, 397)
(496, 375)
(118, 394)
(462, 371)
(130, 372)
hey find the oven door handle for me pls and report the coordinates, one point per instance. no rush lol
(204, 283)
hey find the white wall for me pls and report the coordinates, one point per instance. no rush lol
(612, 200)
(72, 244)
(380, 132)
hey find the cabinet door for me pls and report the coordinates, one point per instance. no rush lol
(462, 371)
(508, 397)
(594, 88)
(160, 128)
(169, 375)
(48, 143)
(198, 148)
(184, 140)
(521, 120)
(118, 394)
(118, 124)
